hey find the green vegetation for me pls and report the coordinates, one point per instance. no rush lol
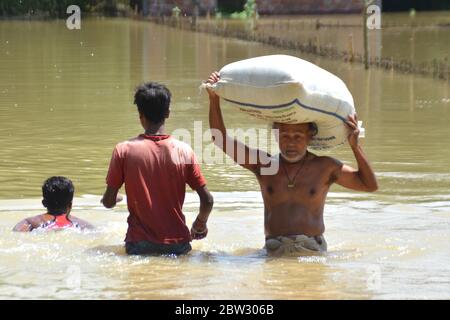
(249, 12)
(419, 5)
(176, 12)
(227, 7)
(57, 8)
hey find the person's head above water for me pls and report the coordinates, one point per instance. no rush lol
(153, 102)
(57, 193)
(293, 139)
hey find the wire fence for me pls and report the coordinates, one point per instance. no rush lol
(401, 45)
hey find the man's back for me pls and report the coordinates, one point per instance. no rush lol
(155, 170)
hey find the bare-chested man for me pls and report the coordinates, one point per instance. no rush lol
(294, 197)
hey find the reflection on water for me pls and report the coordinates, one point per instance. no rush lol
(66, 99)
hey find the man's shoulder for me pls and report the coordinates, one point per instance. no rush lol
(139, 139)
(326, 161)
(127, 143)
(39, 217)
(36, 221)
(179, 144)
(82, 224)
(131, 141)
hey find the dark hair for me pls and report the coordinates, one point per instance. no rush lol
(153, 101)
(313, 128)
(58, 195)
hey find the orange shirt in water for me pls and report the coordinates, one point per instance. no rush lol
(155, 170)
(59, 222)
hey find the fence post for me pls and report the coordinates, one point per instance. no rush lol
(446, 75)
(351, 48)
(366, 43)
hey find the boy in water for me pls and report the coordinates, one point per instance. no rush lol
(57, 193)
(155, 169)
(294, 197)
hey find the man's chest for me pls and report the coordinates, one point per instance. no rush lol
(304, 187)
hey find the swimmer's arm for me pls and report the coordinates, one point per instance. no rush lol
(28, 224)
(243, 155)
(23, 226)
(82, 223)
(111, 197)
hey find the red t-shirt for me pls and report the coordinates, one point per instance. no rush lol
(155, 170)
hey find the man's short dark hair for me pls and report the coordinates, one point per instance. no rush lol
(58, 195)
(153, 101)
(312, 126)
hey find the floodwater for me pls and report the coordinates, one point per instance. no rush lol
(66, 99)
(419, 39)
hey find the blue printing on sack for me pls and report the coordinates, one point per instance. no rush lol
(286, 105)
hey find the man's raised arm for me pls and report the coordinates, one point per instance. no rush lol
(364, 178)
(251, 158)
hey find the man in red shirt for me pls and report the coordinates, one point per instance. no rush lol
(155, 169)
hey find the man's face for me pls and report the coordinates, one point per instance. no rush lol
(293, 140)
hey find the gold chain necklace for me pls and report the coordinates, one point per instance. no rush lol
(291, 183)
